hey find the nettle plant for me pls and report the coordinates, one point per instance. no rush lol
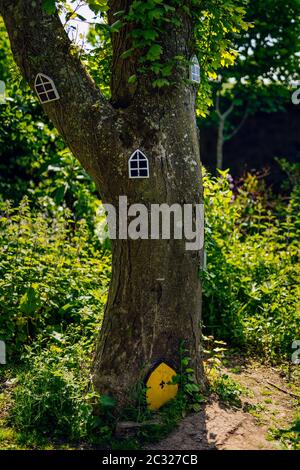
(143, 24)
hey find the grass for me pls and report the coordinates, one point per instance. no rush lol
(289, 438)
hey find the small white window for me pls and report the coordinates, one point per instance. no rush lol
(2, 92)
(195, 70)
(45, 88)
(138, 165)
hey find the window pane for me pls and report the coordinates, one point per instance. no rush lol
(48, 86)
(40, 88)
(45, 80)
(143, 164)
(43, 97)
(51, 95)
(134, 173)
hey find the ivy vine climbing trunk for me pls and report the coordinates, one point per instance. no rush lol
(155, 294)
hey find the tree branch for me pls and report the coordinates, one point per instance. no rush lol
(238, 128)
(40, 45)
(223, 116)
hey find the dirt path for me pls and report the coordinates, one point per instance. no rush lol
(222, 427)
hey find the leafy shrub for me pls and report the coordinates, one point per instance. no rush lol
(54, 396)
(227, 389)
(52, 275)
(251, 284)
(34, 160)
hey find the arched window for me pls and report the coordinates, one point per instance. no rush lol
(195, 70)
(45, 88)
(138, 165)
(2, 92)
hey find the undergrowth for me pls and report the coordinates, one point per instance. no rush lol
(289, 438)
(251, 281)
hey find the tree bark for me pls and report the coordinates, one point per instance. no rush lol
(221, 130)
(220, 143)
(155, 295)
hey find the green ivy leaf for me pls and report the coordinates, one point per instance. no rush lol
(132, 80)
(161, 82)
(154, 52)
(49, 6)
(127, 54)
(107, 402)
(30, 301)
(150, 34)
(116, 26)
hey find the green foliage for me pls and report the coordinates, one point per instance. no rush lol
(289, 438)
(266, 66)
(54, 396)
(224, 386)
(49, 6)
(189, 391)
(227, 389)
(217, 27)
(213, 353)
(34, 161)
(251, 284)
(147, 23)
(51, 274)
(213, 23)
(292, 171)
(6, 61)
(99, 59)
(269, 49)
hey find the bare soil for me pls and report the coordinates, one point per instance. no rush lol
(218, 426)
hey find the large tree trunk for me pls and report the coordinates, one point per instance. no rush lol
(155, 296)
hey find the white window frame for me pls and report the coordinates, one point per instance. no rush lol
(132, 159)
(50, 83)
(195, 72)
